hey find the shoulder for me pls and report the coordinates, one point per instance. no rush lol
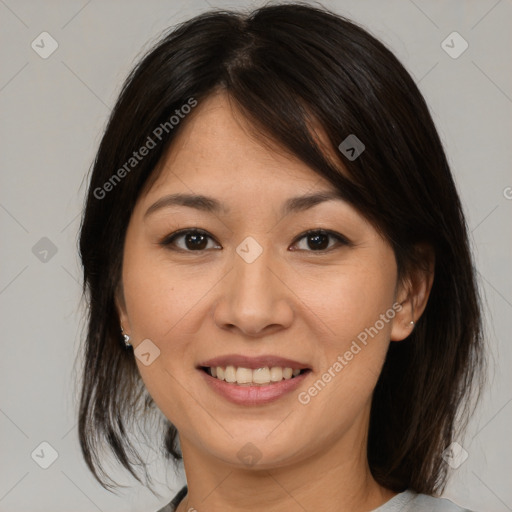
(441, 504)
(409, 501)
(173, 505)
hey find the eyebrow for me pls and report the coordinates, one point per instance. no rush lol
(212, 205)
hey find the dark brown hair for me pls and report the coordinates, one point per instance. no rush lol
(286, 67)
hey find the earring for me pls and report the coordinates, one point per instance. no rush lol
(126, 339)
(411, 323)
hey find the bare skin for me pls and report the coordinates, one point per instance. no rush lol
(293, 301)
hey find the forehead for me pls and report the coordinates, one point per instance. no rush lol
(218, 145)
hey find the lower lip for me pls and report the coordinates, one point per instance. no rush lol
(253, 395)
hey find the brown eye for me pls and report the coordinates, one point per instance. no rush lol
(196, 240)
(318, 240)
(192, 240)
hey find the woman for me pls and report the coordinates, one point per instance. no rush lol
(277, 264)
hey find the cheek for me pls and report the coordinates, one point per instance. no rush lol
(350, 299)
(355, 309)
(160, 300)
(158, 294)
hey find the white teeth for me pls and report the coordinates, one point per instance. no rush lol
(276, 374)
(245, 376)
(260, 376)
(287, 373)
(230, 374)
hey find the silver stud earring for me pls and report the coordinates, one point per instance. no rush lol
(411, 323)
(126, 339)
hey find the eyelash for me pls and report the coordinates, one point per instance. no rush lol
(170, 239)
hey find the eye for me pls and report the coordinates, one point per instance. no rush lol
(319, 240)
(197, 240)
(194, 240)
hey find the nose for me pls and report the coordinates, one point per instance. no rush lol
(254, 297)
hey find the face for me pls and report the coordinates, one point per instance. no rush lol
(247, 280)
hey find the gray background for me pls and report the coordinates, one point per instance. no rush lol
(53, 112)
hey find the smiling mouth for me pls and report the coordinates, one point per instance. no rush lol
(248, 377)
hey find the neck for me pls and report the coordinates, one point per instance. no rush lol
(337, 479)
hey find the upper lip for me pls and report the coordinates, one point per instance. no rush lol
(252, 363)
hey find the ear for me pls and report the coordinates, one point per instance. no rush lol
(413, 292)
(121, 309)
